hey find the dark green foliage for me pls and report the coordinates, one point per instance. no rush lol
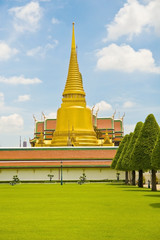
(119, 162)
(155, 160)
(127, 158)
(142, 152)
(124, 156)
(15, 180)
(50, 177)
(82, 179)
(115, 159)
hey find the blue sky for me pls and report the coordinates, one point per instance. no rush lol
(118, 54)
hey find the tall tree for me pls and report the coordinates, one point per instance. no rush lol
(124, 165)
(118, 153)
(155, 161)
(127, 157)
(142, 152)
(119, 162)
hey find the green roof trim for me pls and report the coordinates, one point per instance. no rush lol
(71, 166)
(56, 159)
(49, 130)
(106, 128)
(50, 119)
(33, 140)
(110, 118)
(59, 148)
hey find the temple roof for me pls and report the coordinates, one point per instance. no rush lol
(54, 157)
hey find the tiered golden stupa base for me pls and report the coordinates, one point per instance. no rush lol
(83, 138)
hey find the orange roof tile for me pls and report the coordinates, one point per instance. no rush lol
(118, 126)
(104, 123)
(39, 126)
(91, 163)
(57, 153)
(50, 124)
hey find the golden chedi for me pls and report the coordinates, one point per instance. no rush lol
(74, 120)
(107, 141)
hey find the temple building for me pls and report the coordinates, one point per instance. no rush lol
(78, 141)
(76, 125)
(105, 128)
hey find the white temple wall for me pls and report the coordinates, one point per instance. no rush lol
(41, 174)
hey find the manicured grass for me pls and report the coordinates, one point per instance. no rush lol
(78, 212)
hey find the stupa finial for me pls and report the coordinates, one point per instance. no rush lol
(73, 38)
(74, 83)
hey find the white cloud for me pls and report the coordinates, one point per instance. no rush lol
(128, 104)
(26, 18)
(133, 18)
(125, 58)
(55, 21)
(102, 106)
(41, 51)
(24, 98)
(1, 99)
(129, 128)
(34, 51)
(6, 52)
(11, 123)
(52, 115)
(15, 80)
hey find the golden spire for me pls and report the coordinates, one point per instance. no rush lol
(74, 83)
(73, 46)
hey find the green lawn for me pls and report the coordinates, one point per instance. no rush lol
(72, 211)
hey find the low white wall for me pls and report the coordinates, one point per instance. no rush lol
(38, 174)
(68, 174)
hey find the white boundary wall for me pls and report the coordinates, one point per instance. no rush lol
(38, 174)
(41, 174)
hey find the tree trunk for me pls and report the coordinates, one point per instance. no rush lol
(133, 178)
(140, 180)
(154, 187)
(126, 177)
